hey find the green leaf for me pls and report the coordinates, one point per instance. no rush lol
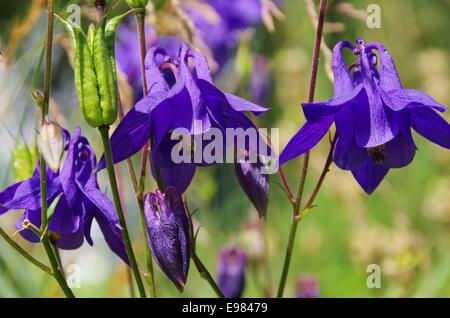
(51, 211)
(24, 161)
(51, 208)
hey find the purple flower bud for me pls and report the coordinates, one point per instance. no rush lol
(231, 271)
(168, 234)
(51, 144)
(308, 287)
(254, 183)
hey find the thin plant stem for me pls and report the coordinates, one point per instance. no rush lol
(24, 253)
(122, 198)
(43, 166)
(205, 274)
(297, 202)
(201, 268)
(115, 192)
(140, 185)
(57, 273)
(133, 182)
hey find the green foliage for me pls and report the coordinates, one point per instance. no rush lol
(24, 160)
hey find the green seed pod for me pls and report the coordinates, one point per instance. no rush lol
(95, 69)
(137, 4)
(85, 77)
(105, 75)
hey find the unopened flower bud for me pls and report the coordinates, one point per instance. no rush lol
(231, 272)
(168, 234)
(254, 183)
(51, 144)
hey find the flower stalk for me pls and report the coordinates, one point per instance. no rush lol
(201, 268)
(117, 202)
(140, 185)
(296, 202)
(24, 253)
(43, 166)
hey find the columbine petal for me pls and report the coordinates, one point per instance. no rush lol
(430, 125)
(375, 125)
(400, 151)
(66, 219)
(370, 175)
(389, 78)
(347, 154)
(343, 84)
(306, 138)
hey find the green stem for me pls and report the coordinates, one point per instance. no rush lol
(24, 253)
(54, 263)
(288, 255)
(297, 201)
(115, 192)
(150, 278)
(201, 268)
(140, 185)
(205, 274)
(43, 167)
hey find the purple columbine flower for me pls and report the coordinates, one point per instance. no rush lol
(308, 287)
(80, 201)
(128, 53)
(373, 115)
(222, 36)
(168, 234)
(231, 271)
(178, 97)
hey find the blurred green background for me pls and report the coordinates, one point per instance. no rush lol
(403, 227)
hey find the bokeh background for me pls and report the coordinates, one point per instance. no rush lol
(404, 226)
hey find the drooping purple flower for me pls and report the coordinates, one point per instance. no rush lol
(255, 184)
(308, 287)
(80, 201)
(231, 271)
(168, 234)
(373, 115)
(178, 98)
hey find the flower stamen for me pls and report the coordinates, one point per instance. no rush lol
(376, 154)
